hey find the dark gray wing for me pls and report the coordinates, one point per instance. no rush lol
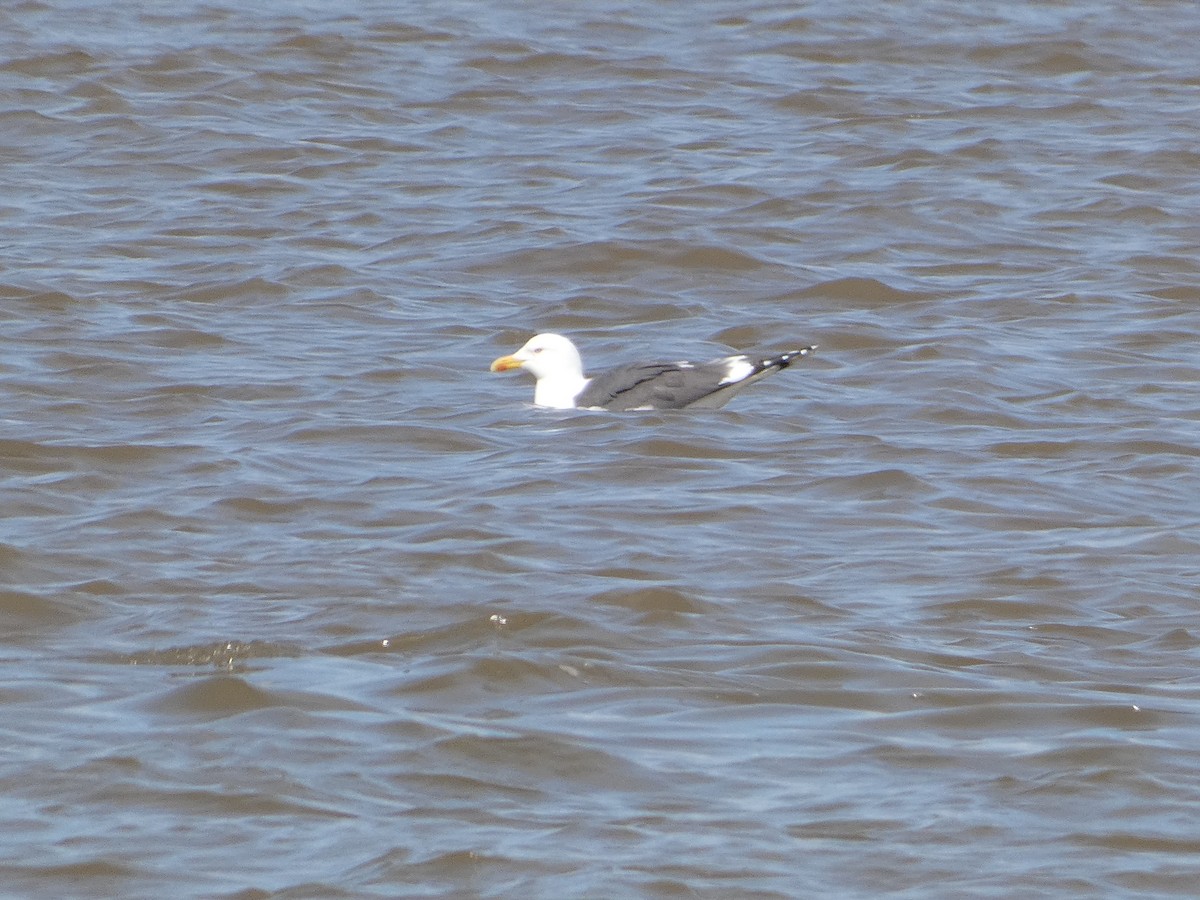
(653, 386)
(675, 385)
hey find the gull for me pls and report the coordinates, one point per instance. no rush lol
(553, 360)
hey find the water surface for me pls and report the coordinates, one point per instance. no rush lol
(300, 601)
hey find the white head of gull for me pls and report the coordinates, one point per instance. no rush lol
(555, 363)
(561, 384)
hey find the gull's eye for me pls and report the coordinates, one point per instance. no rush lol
(537, 349)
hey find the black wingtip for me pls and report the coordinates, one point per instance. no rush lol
(783, 360)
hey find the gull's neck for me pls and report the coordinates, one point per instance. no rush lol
(558, 392)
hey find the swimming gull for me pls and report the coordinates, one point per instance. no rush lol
(561, 384)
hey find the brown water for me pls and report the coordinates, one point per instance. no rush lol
(300, 601)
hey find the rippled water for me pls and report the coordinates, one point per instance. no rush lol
(300, 601)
